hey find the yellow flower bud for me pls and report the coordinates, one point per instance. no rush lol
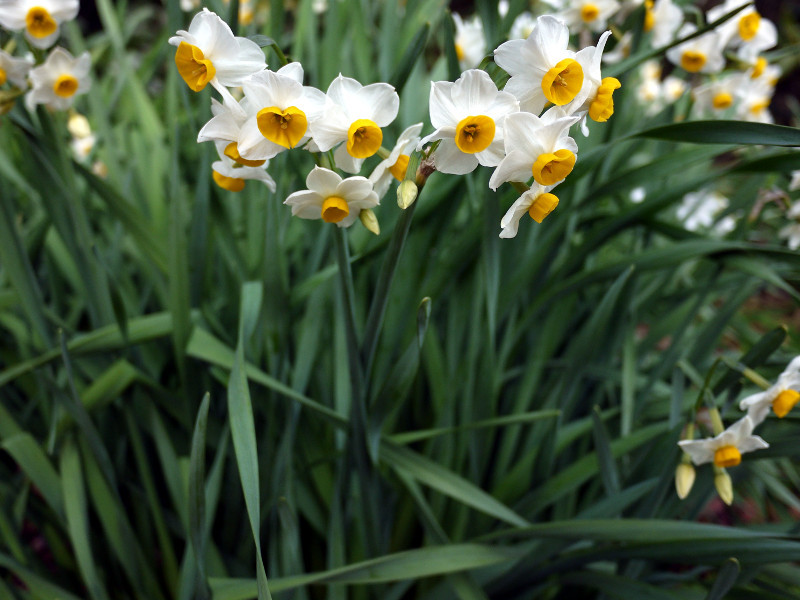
(684, 479)
(406, 194)
(722, 481)
(370, 221)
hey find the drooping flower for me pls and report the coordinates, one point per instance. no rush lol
(280, 112)
(470, 41)
(41, 19)
(468, 115)
(14, 70)
(702, 54)
(333, 199)
(209, 53)
(354, 114)
(725, 449)
(57, 81)
(537, 146)
(232, 175)
(394, 165)
(595, 99)
(541, 67)
(781, 397)
(538, 202)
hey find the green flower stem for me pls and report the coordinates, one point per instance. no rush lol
(348, 295)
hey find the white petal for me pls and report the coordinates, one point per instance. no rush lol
(323, 181)
(516, 166)
(449, 159)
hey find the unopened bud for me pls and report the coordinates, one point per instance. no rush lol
(722, 481)
(406, 193)
(684, 479)
(78, 126)
(370, 221)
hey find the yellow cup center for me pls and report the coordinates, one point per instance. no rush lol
(232, 184)
(364, 137)
(758, 68)
(563, 82)
(722, 100)
(39, 23)
(692, 60)
(748, 26)
(193, 66)
(785, 402)
(649, 16)
(285, 127)
(727, 456)
(542, 206)
(232, 152)
(334, 209)
(475, 134)
(3, 76)
(398, 169)
(550, 168)
(589, 13)
(757, 107)
(602, 107)
(460, 52)
(65, 86)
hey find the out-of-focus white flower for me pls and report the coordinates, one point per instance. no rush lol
(522, 26)
(538, 202)
(698, 210)
(794, 184)
(780, 397)
(542, 69)
(538, 146)
(502, 8)
(281, 112)
(354, 114)
(702, 54)
(621, 51)
(585, 14)
(470, 41)
(190, 5)
(748, 31)
(14, 70)
(41, 19)
(319, 6)
(394, 166)
(725, 449)
(638, 195)
(468, 115)
(57, 81)
(666, 18)
(755, 96)
(333, 199)
(791, 233)
(718, 95)
(82, 138)
(673, 88)
(210, 53)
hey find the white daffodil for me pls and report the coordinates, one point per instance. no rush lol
(595, 99)
(231, 175)
(210, 53)
(754, 98)
(538, 146)
(394, 166)
(280, 112)
(702, 54)
(190, 5)
(354, 114)
(791, 233)
(538, 202)
(542, 69)
(57, 81)
(522, 26)
(747, 31)
(14, 70)
(41, 19)
(718, 95)
(468, 115)
(470, 41)
(333, 199)
(726, 449)
(664, 19)
(699, 210)
(585, 14)
(780, 397)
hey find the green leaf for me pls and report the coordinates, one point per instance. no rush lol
(725, 132)
(413, 52)
(197, 497)
(30, 457)
(726, 579)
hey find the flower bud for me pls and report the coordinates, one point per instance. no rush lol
(370, 221)
(406, 193)
(78, 125)
(684, 479)
(722, 481)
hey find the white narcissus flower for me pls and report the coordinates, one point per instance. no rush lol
(354, 114)
(747, 31)
(702, 54)
(596, 98)
(57, 81)
(726, 449)
(470, 41)
(541, 67)
(664, 19)
(538, 202)
(41, 19)
(210, 53)
(538, 146)
(468, 115)
(281, 112)
(333, 199)
(718, 95)
(522, 26)
(232, 175)
(699, 209)
(780, 397)
(14, 70)
(586, 14)
(394, 166)
(755, 96)
(791, 233)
